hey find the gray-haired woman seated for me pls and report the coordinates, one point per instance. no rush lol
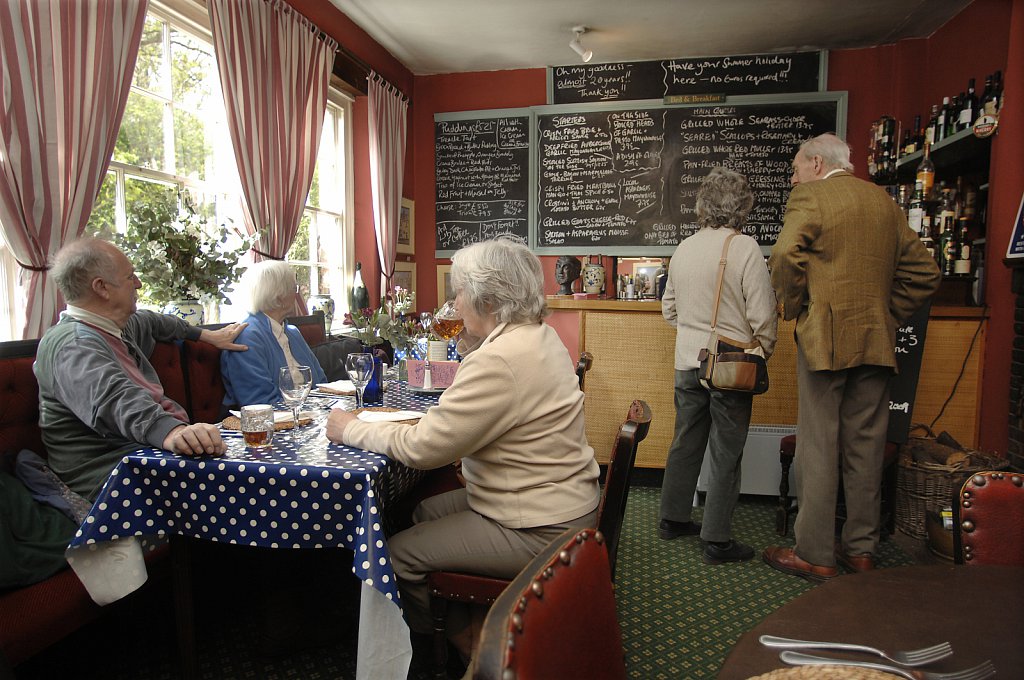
(272, 344)
(514, 415)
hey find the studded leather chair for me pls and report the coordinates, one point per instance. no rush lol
(484, 590)
(557, 618)
(583, 365)
(988, 520)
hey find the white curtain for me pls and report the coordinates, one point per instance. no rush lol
(387, 111)
(66, 69)
(274, 66)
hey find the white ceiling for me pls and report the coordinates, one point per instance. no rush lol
(455, 36)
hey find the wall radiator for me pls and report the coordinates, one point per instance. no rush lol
(761, 471)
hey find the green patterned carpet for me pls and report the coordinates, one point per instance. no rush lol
(679, 617)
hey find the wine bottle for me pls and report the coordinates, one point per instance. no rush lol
(926, 173)
(929, 129)
(948, 249)
(963, 258)
(940, 127)
(916, 210)
(968, 107)
(997, 88)
(954, 114)
(359, 298)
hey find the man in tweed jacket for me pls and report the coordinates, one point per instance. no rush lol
(848, 268)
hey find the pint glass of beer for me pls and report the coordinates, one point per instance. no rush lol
(257, 425)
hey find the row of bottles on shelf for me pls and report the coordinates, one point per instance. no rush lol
(946, 218)
(890, 142)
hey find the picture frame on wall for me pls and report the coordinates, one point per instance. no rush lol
(645, 278)
(406, 242)
(444, 284)
(404, 276)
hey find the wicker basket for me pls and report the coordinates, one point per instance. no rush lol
(923, 486)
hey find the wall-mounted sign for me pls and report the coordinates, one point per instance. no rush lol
(1015, 250)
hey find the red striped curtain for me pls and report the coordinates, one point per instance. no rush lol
(66, 69)
(387, 111)
(274, 67)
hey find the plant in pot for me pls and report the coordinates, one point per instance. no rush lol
(183, 260)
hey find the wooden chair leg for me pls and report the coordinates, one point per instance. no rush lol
(785, 502)
(439, 613)
(181, 578)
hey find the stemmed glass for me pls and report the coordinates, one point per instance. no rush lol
(360, 367)
(295, 385)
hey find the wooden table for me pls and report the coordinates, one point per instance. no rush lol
(977, 609)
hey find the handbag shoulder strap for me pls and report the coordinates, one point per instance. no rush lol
(721, 276)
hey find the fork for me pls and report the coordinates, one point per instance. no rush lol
(910, 658)
(979, 672)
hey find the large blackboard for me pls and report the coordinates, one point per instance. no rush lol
(624, 181)
(482, 167)
(758, 74)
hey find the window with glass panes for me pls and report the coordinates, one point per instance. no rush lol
(174, 137)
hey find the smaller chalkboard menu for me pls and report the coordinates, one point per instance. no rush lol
(756, 74)
(903, 386)
(482, 167)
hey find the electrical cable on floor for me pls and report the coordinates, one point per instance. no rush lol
(963, 366)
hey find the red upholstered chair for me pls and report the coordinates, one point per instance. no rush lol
(201, 364)
(787, 451)
(484, 590)
(166, 360)
(312, 327)
(988, 520)
(557, 618)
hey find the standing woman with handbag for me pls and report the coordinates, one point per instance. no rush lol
(722, 280)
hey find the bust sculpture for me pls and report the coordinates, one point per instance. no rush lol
(567, 270)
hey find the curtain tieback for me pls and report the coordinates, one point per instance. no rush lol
(32, 268)
(267, 255)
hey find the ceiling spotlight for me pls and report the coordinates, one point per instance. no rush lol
(585, 54)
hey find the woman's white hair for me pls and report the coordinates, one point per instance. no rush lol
(270, 284)
(501, 276)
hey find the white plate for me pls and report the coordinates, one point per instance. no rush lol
(433, 390)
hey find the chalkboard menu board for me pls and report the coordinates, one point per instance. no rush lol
(483, 183)
(624, 181)
(758, 74)
(903, 385)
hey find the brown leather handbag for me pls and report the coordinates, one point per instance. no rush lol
(727, 364)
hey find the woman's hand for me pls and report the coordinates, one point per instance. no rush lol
(336, 424)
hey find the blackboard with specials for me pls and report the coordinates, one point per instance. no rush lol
(753, 74)
(903, 386)
(623, 181)
(482, 177)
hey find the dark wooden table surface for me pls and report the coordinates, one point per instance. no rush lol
(979, 610)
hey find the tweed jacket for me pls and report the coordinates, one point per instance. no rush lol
(848, 268)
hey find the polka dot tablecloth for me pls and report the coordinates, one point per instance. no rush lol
(303, 492)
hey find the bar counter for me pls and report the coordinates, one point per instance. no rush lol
(634, 351)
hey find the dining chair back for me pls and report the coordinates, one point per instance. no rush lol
(988, 520)
(474, 589)
(557, 618)
(312, 327)
(583, 365)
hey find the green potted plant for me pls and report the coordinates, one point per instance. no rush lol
(183, 261)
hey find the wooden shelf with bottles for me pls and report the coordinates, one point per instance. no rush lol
(959, 154)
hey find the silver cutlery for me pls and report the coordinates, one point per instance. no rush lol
(979, 672)
(911, 658)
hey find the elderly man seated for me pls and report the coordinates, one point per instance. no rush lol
(99, 397)
(251, 378)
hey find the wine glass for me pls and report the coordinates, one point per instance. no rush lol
(295, 385)
(360, 367)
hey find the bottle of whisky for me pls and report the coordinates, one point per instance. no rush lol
(916, 210)
(926, 173)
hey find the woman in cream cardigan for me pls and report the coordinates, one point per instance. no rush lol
(513, 415)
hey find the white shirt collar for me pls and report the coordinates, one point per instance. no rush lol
(93, 319)
(832, 172)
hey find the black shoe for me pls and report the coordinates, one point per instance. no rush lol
(730, 551)
(667, 529)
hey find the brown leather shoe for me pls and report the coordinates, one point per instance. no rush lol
(787, 561)
(855, 563)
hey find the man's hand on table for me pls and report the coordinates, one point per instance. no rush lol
(195, 440)
(224, 338)
(336, 424)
